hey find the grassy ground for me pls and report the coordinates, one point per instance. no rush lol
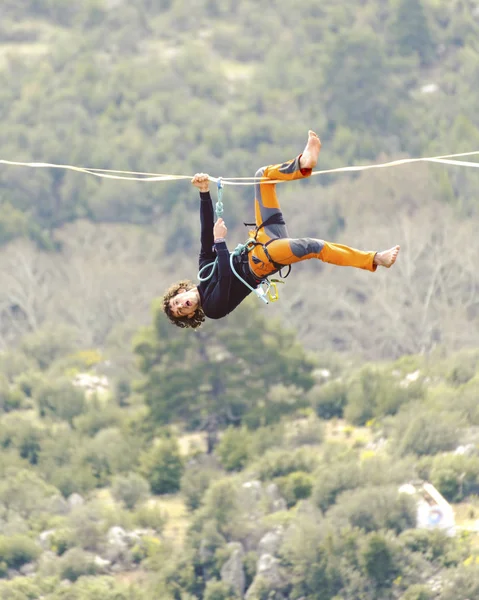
(177, 518)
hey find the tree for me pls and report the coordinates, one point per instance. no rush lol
(61, 400)
(410, 30)
(374, 508)
(462, 583)
(379, 559)
(130, 489)
(359, 82)
(214, 376)
(163, 466)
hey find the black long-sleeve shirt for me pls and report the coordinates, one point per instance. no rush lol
(224, 291)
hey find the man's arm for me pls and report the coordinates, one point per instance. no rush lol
(207, 254)
(218, 294)
(206, 219)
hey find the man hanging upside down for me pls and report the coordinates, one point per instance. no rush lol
(187, 304)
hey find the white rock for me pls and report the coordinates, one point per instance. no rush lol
(58, 505)
(102, 563)
(117, 535)
(271, 542)
(232, 572)
(28, 569)
(44, 538)
(75, 500)
(429, 88)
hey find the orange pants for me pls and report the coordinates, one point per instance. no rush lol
(282, 249)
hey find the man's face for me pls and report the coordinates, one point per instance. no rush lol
(184, 304)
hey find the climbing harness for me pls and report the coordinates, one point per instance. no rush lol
(267, 289)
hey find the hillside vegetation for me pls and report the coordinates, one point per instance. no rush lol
(260, 457)
(284, 484)
(219, 87)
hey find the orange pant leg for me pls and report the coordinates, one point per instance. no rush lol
(288, 251)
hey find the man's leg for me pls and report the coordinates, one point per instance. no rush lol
(289, 251)
(266, 200)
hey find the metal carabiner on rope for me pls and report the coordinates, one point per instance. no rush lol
(219, 203)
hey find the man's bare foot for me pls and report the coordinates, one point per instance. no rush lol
(386, 258)
(309, 158)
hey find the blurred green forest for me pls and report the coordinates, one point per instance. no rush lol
(176, 87)
(225, 469)
(260, 457)
(216, 87)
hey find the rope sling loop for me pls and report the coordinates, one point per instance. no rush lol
(267, 290)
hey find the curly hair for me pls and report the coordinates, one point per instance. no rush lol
(192, 322)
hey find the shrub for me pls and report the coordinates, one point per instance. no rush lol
(151, 516)
(88, 525)
(72, 478)
(295, 486)
(99, 416)
(250, 564)
(196, 479)
(330, 399)
(28, 382)
(98, 587)
(465, 401)
(372, 393)
(163, 466)
(11, 397)
(26, 588)
(29, 444)
(375, 508)
(60, 399)
(455, 476)
(418, 592)
(48, 344)
(461, 583)
(122, 392)
(265, 438)
(130, 489)
(18, 550)
(149, 549)
(76, 563)
(14, 363)
(233, 449)
(61, 541)
(221, 507)
(463, 368)
(332, 479)
(435, 545)
(280, 400)
(304, 432)
(424, 433)
(378, 559)
(108, 453)
(277, 463)
(18, 431)
(24, 492)
(218, 590)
